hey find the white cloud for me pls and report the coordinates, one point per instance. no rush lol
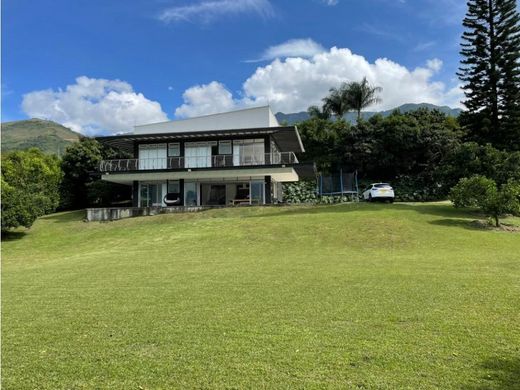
(207, 11)
(206, 99)
(93, 106)
(330, 2)
(291, 48)
(294, 84)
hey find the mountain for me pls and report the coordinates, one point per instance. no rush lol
(48, 136)
(296, 117)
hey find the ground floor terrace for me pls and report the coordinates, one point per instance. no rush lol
(208, 192)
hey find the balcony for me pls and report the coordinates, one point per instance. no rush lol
(215, 161)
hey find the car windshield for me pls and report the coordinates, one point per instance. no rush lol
(382, 185)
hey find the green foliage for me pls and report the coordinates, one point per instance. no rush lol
(471, 159)
(81, 184)
(300, 192)
(30, 187)
(360, 95)
(482, 192)
(80, 161)
(490, 71)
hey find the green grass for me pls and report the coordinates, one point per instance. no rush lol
(351, 296)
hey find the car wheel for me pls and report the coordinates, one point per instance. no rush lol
(370, 198)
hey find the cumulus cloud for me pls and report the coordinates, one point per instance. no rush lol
(208, 11)
(93, 106)
(206, 99)
(294, 84)
(291, 48)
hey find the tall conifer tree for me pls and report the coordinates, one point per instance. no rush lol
(490, 72)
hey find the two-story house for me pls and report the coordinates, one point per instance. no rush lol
(232, 158)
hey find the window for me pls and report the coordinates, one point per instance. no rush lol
(173, 187)
(174, 149)
(224, 147)
(248, 152)
(152, 156)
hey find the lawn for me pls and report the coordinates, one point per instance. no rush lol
(365, 296)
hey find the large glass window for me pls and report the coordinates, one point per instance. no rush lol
(151, 194)
(173, 186)
(257, 192)
(152, 156)
(248, 152)
(197, 155)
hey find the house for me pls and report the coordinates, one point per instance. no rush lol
(233, 158)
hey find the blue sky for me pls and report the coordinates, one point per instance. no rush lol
(100, 66)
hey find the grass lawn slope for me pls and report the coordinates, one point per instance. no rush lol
(350, 296)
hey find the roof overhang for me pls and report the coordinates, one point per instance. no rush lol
(286, 137)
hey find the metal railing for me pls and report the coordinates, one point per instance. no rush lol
(215, 161)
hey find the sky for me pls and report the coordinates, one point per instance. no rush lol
(103, 66)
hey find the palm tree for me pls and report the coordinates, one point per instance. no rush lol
(316, 112)
(336, 103)
(361, 95)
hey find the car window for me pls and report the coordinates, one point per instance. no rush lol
(382, 185)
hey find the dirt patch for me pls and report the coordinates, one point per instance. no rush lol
(480, 224)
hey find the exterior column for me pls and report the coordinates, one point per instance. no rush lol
(135, 193)
(181, 191)
(268, 190)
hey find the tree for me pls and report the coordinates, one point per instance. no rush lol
(360, 95)
(318, 113)
(479, 191)
(336, 102)
(490, 72)
(81, 185)
(30, 187)
(80, 161)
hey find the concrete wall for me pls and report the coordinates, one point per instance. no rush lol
(249, 118)
(115, 213)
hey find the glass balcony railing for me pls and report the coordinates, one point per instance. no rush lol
(215, 161)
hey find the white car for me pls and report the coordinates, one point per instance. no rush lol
(379, 191)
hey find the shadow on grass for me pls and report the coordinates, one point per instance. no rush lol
(66, 216)
(12, 236)
(502, 374)
(435, 209)
(462, 223)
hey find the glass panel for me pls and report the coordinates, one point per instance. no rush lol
(224, 147)
(173, 187)
(143, 195)
(190, 194)
(248, 152)
(197, 156)
(152, 156)
(174, 149)
(257, 192)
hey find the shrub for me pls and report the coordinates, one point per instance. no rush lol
(482, 192)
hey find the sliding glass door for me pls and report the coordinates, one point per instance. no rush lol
(191, 194)
(151, 195)
(197, 155)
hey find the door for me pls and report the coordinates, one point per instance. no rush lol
(151, 195)
(191, 194)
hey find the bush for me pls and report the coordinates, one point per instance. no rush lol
(300, 192)
(30, 187)
(482, 192)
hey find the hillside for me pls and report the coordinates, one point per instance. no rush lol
(48, 136)
(353, 296)
(296, 117)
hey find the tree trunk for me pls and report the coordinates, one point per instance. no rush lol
(497, 222)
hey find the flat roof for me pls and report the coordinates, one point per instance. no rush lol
(286, 137)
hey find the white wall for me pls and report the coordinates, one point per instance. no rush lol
(249, 118)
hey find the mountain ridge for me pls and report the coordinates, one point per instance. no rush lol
(296, 117)
(48, 136)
